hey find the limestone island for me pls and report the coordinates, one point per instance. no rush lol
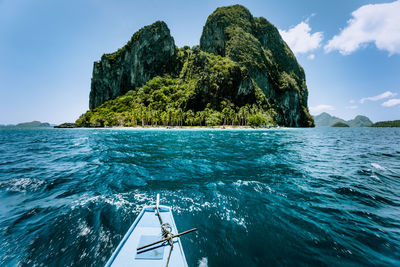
(340, 124)
(32, 124)
(395, 123)
(324, 120)
(241, 74)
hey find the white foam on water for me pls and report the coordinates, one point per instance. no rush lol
(80, 141)
(188, 204)
(377, 166)
(114, 200)
(375, 177)
(240, 183)
(117, 200)
(257, 186)
(230, 215)
(22, 185)
(193, 206)
(203, 262)
(83, 228)
(206, 205)
(84, 201)
(84, 231)
(240, 222)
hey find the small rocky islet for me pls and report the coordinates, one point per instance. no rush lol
(340, 124)
(242, 73)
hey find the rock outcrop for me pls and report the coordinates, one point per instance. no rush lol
(150, 52)
(66, 125)
(340, 124)
(257, 46)
(215, 79)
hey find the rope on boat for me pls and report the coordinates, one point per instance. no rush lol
(166, 230)
(165, 227)
(169, 255)
(166, 233)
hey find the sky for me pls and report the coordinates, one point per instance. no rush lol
(350, 50)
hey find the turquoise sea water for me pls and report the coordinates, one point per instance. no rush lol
(323, 196)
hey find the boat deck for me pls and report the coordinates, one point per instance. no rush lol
(146, 229)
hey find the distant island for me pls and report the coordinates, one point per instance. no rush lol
(32, 124)
(395, 123)
(242, 73)
(325, 120)
(340, 124)
(66, 125)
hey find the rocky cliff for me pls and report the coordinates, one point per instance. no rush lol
(150, 52)
(258, 47)
(214, 79)
(241, 63)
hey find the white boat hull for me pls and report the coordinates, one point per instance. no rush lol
(146, 229)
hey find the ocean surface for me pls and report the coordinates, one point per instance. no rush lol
(323, 196)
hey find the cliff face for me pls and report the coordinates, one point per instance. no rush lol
(150, 52)
(258, 47)
(214, 79)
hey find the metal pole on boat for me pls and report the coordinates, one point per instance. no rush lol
(167, 239)
(164, 228)
(168, 236)
(158, 212)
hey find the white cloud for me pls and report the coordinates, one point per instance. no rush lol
(384, 95)
(311, 57)
(391, 102)
(300, 39)
(378, 23)
(352, 101)
(320, 108)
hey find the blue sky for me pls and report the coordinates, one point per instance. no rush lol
(350, 50)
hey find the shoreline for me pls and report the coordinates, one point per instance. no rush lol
(221, 127)
(193, 128)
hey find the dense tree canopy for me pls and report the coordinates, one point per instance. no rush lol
(173, 101)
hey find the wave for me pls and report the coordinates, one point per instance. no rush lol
(377, 166)
(371, 200)
(22, 185)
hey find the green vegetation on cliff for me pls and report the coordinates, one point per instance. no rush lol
(149, 53)
(395, 123)
(112, 57)
(198, 96)
(256, 45)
